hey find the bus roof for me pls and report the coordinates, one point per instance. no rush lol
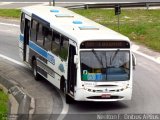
(73, 25)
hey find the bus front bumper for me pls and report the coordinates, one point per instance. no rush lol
(84, 95)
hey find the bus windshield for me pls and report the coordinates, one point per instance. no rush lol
(105, 65)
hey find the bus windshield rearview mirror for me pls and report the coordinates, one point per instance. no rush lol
(76, 60)
(134, 62)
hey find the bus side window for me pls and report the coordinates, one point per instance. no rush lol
(56, 43)
(64, 47)
(47, 38)
(33, 34)
(40, 35)
(22, 23)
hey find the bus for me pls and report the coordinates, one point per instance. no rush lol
(83, 59)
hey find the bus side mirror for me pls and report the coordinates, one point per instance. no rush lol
(134, 62)
(76, 60)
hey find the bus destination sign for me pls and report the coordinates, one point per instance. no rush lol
(104, 44)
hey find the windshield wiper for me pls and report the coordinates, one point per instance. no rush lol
(106, 67)
(114, 56)
(95, 54)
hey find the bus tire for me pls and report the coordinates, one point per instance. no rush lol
(62, 85)
(69, 100)
(37, 76)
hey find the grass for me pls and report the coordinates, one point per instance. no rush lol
(11, 13)
(3, 103)
(141, 26)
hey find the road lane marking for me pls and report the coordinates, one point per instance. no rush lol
(134, 47)
(158, 59)
(8, 24)
(7, 31)
(147, 56)
(135, 50)
(5, 3)
(12, 60)
(65, 108)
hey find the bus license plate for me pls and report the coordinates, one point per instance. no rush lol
(105, 95)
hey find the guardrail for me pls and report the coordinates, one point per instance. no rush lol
(112, 5)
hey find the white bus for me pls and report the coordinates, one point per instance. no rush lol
(85, 60)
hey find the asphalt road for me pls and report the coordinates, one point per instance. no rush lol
(146, 95)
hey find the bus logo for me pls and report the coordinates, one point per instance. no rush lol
(61, 67)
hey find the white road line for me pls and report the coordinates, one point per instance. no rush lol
(8, 24)
(5, 3)
(135, 50)
(12, 60)
(147, 56)
(158, 59)
(65, 108)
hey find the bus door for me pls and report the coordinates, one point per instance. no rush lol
(26, 40)
(71, 70)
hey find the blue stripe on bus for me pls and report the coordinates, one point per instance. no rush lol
(21, 38)
(38, 49)
(42, 52)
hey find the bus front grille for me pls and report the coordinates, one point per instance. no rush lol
(100, 97)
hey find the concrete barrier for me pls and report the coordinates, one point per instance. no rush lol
(26, 102)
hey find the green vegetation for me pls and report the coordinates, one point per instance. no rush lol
(141, 26)
(14, 13)
(3, 103)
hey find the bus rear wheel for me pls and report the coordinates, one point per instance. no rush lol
(37, 77)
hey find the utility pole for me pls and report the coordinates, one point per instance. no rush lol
(118, 12)
(53, 2)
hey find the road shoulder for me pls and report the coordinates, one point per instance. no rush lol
(22, 104)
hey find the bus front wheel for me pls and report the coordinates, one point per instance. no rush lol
(68, 98)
